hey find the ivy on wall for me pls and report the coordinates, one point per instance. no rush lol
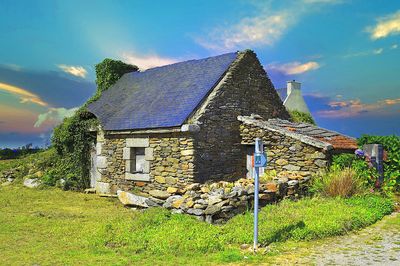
(73, 139)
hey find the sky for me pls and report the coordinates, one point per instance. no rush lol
(346, 54)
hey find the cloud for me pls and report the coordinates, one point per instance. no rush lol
(77, 71)
(394, 46)
(147, 61)
(386, 26)
(264, 29)
(25, 95)
(378, 51)
(53, 87)
(323, 1)
(54, 116)
(355, 107)
(392, 101)
(294, 68)
(12, 67)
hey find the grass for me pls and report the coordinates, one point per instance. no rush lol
(51, 226)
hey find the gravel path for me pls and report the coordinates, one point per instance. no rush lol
(376, 245)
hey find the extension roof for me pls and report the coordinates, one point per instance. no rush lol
(307, 133)
(159, 97)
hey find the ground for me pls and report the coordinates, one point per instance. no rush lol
(53, 227)
(378, 244)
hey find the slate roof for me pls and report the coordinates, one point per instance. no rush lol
(310, 134)
(159, 97)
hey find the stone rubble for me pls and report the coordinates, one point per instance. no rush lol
(219, 201)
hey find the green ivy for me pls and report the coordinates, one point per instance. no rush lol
(391, 145)
(73, 139)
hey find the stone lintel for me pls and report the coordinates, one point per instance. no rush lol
(137, 142)
(137, 177)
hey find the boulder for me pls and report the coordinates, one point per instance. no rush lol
(32, 183)
(170, 200)
(195, 211)
(129, 199)
(159, 194)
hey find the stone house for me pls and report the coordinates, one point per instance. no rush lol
(190, 122)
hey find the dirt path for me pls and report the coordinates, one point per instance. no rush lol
(375, 245)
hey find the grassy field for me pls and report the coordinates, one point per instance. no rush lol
(50, 226)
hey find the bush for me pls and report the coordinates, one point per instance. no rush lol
(73, 139)
(391, 145)
(299, 117)
(338, 183)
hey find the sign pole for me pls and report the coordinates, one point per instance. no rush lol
(259, 160)
(256, 188)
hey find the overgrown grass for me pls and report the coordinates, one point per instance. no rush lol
(57, 227)
(40, 161)
(338, 182)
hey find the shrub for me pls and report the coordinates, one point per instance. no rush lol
(338, 182)
(365, 174)
(72, 138)
(391, 144)
(299, 117)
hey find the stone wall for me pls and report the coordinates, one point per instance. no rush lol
(217, 202)
(245, 89)
(286, 155)
(171, 162)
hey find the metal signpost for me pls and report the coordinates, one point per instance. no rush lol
(259, 160)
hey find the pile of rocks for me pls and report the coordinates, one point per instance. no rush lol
(220, 201)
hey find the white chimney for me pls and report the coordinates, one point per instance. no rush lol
(292, 85)
(294, 100)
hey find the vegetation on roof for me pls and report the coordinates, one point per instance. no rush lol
(300, 117)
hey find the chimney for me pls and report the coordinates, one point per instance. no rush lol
(292, 85)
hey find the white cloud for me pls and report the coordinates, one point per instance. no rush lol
(394, 46)
(54, 116)
(77, 71)
(293, 68)
(378, 51)
(148, 61)
(387, 25)
(323, 1)
(264, 29)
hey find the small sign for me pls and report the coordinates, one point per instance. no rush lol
(260, 160)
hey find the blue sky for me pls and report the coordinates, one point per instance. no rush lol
(345, 53)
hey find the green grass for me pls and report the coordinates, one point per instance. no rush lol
(51, 226)
(39, 161)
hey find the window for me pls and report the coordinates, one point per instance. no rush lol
(137, 161)
(137, 155)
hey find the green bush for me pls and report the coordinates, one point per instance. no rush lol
(391, 144)
(299, 117)
(366, 174)
(73, 139)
